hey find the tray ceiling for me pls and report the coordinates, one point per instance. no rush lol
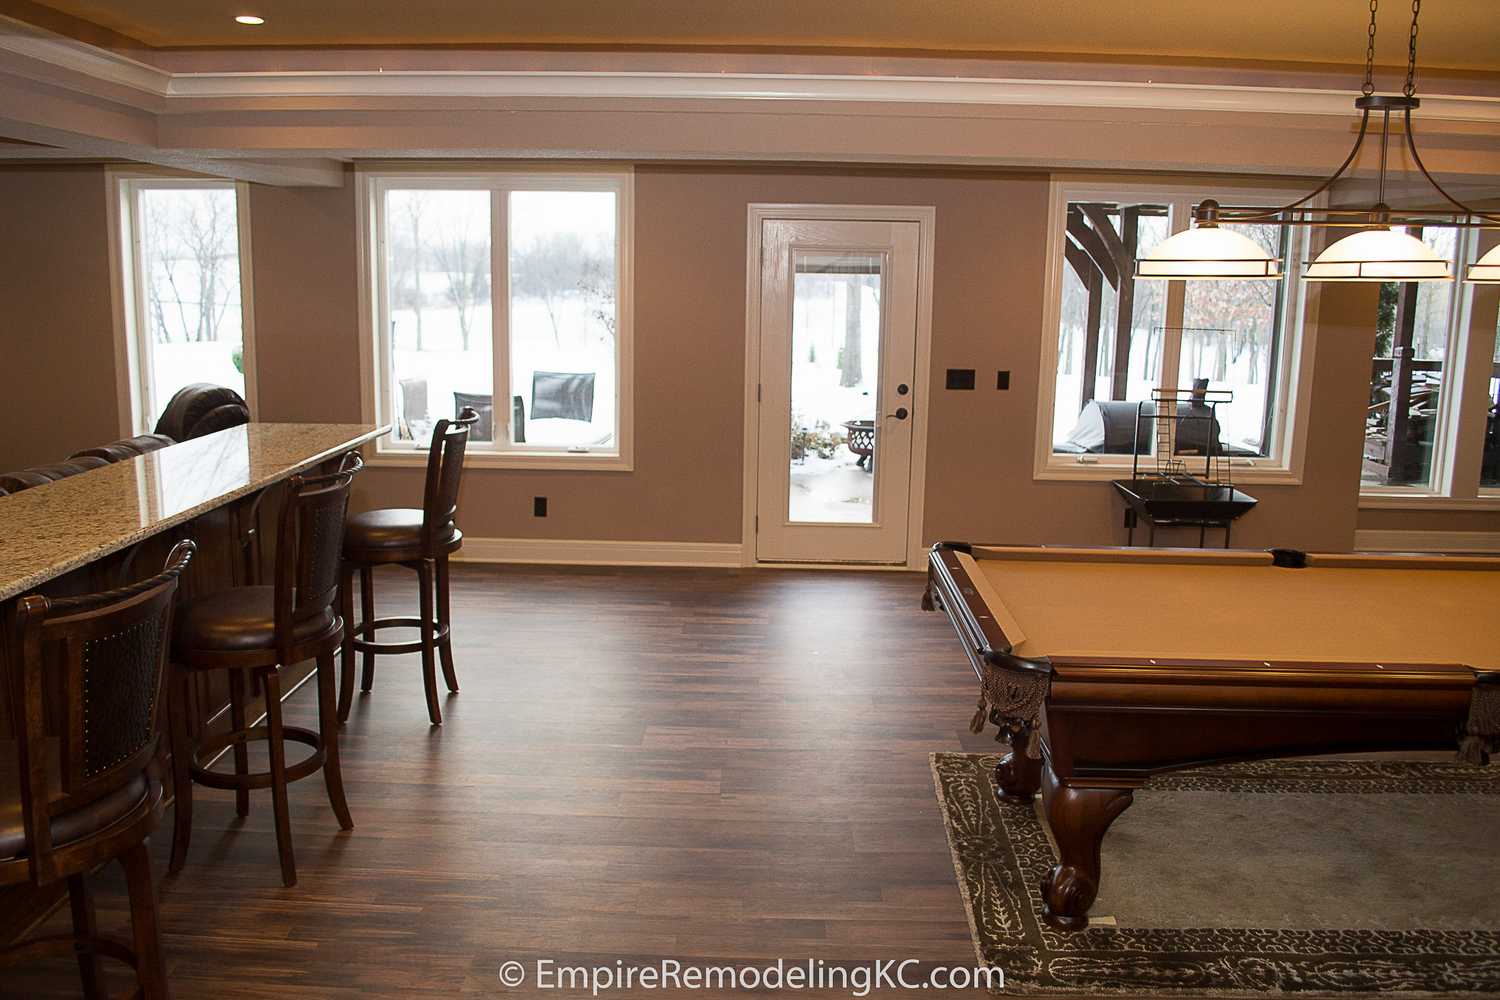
(1456, 34)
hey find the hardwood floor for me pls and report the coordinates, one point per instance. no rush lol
(705, 765)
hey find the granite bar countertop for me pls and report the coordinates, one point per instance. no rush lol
(49, 530)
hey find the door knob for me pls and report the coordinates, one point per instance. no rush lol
(900, 413)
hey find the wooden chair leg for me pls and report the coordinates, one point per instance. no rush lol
(151, 971)
(271, 682)
(182, 758)
(425, 570)
(346, 652)
(241, 752)
(367, 613)
(445, 648)
(85, 929)
(328, 731)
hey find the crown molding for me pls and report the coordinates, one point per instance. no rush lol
(99, 64)
(799, 87)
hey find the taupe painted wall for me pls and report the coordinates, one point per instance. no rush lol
(689, 330)
(57, 360)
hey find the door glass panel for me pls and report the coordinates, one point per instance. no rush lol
(438, 281)
(836, 324)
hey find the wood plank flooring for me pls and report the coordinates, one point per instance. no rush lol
(707, 765)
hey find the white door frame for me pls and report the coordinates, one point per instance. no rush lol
(926, 218)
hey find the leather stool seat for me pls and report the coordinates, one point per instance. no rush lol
(75, 824)
(390, 528)
(242, 619)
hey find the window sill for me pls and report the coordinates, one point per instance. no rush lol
(1425, 501)
(1091, 472)
(568, 461)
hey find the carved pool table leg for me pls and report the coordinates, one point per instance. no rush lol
(1017, 776)
(1078, 816)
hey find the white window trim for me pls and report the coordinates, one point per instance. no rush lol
(1298, 337)
(1456, 452)
(132, 385)
(371, 180)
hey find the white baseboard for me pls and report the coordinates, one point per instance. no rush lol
(598, 552)
(1427, 541)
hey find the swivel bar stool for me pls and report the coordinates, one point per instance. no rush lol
(420, 540)
(255, 631)
(88, 792)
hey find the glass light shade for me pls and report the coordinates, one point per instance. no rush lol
(1208, 253)
(1378, 255)
(1486, 270)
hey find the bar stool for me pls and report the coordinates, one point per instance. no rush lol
(420, 540)
(254, 631)
(73, 802)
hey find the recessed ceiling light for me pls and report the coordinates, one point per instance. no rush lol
(250, 19)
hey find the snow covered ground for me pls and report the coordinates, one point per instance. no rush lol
(580, 345)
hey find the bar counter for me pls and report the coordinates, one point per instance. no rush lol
(50, 530)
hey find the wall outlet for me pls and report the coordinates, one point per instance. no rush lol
(538, 506)
(960, 378)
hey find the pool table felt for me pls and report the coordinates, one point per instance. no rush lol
(1238, 606)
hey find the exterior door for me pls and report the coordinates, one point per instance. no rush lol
(838, 334)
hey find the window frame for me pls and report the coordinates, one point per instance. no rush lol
(1458, 443)
(372, 181)
(133, 347)
(1291, 365)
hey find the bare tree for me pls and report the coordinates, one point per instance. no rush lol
(208, 231)
(405, 255)
(466, 263)
(549, 270)
(851, 371)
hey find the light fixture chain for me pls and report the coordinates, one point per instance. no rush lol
(1369, 86)
(1411, 53)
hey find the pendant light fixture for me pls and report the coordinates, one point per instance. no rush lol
(1379, 249)
(1486, 270)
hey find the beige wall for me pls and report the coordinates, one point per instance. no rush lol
(57, 361)
(689, 331)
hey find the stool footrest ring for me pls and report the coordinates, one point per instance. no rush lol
(363, 645)
(255, 779)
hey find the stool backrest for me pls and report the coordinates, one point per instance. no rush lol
(309, 547)
(445, 468)
(108, 652)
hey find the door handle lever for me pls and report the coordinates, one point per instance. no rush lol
(900, 413)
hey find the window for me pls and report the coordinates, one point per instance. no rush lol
(184, 316)
(1415, 325)
(1489, 470)
(1112, 340)
(515, 280)
(1430, 436)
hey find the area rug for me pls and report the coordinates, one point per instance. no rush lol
(1307, 879)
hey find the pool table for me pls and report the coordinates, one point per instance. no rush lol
(1105, 666)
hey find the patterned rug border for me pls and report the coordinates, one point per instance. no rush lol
(1189, 963)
